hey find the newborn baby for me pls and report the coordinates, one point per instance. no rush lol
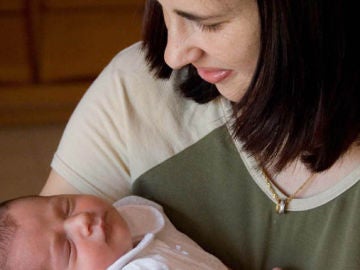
(85, 232)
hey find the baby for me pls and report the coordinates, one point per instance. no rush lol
(85, 232)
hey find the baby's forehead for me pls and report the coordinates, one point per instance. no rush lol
(39, 200)
(25, 199)
(29, 248)
(26, 207)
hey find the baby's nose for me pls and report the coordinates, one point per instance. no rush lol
(80, 224)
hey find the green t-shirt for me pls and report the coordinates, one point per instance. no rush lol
(208, 193)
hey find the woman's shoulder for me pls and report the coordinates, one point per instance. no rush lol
(127, 84)
(131, 59)
(129, 75)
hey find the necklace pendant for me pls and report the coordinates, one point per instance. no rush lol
(281, 206)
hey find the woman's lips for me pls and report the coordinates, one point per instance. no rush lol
(213, 75)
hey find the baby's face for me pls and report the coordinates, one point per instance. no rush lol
(67, 232)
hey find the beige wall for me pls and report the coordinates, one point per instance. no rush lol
(51, 50)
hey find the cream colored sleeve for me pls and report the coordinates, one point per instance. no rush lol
(92, 155)
(127, 123)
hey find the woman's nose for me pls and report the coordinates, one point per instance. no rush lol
(181, 48)
(79, 224)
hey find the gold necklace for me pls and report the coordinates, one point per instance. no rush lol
(282, 204)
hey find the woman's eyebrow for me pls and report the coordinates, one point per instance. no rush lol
(195, 17)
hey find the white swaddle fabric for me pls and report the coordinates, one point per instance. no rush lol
(144, 222)
(127, 261)
(160, 246)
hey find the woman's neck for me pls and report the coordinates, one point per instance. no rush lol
(294, 175)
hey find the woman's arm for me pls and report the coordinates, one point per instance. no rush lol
(56, 184)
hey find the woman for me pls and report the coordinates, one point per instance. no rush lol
(241, 118)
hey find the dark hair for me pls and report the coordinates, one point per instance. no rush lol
(8, 227)
(304, 98)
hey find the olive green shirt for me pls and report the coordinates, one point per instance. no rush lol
(209, 194)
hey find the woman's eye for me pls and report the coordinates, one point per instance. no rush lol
(209, 27)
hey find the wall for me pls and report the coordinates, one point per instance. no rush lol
(51, 50)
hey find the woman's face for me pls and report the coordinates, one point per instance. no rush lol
(67, 232)
(220, 38)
